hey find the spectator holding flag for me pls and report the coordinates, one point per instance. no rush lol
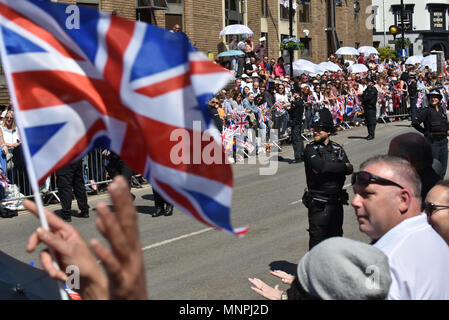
(123, 262)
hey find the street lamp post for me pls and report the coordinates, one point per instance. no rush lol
(290, 21)
(402, 29)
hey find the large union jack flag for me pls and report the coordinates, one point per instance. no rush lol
(117, 84)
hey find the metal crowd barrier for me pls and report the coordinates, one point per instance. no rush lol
(95, 178)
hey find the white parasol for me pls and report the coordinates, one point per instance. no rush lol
(414, 60)
(367, 50)
(330, 66)
(347, 51)
(236, 29)
(357, 68)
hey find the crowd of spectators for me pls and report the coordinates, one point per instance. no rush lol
(401, 88)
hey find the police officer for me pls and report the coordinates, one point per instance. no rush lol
(296, 112)
(71, 178)
(326, 166)
(116, 166)
(162, 206)
(413, 94)
(369, 102)
(435, 128)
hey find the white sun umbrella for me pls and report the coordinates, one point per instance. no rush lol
(302, 66)
(414, 60)
(236, 29)
(347, 51)
(330, 66)
(429, 61)
(319, 70)
(357, 68)
(367, 50)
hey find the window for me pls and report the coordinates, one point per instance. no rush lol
(155, 4)
(264, 4)
(265, 34)
(307, 47)
(304, 12)
(407, 19)
(233, 15)
(284, 12)
(90, 4)
(231, 5)
(408, 16)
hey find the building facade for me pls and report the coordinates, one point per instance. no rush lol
(426, 24)
(322, 25)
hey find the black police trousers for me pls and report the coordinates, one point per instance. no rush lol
(370, 119)
(298, 145)
(117, 166)
(159, 201)
(71, 178)
(325, 221)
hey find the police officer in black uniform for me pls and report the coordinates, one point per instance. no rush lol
(296, 112)
(326, 166)
(369, 102)
(413, 94)
(162, 206)
(71, 178)
(116, 166)
(435, 128)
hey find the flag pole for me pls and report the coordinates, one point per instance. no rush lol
(35, 188)
(29, 165)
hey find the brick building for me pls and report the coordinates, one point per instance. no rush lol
(347, 22)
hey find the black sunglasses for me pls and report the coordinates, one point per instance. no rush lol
(430, 208)
(364, 178)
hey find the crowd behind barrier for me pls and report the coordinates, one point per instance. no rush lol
(262, 92)
(95, 173)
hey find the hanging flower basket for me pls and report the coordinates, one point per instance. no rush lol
(292, 44)
(398, 42)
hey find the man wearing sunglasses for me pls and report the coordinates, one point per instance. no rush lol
(326, 166)
(387, 204)
(436, 206)
(435, 127)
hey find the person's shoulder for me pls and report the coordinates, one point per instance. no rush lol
(312, 146)
(335, 145)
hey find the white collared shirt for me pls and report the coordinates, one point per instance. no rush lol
(418, 259)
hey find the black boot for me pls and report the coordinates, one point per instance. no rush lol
(65, 216)
(83, 214)
(168, 209)
(159, 212)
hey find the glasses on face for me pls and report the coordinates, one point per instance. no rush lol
(430, 208)
(364, 178)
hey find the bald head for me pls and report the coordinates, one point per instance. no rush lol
(412, 147)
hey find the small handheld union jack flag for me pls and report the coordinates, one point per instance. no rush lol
(241, 124)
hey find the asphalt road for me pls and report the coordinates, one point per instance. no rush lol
(187, 260)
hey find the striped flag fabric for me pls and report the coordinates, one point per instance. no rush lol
(122, 85)
(349, 105)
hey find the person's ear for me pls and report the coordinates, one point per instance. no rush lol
(405, 200)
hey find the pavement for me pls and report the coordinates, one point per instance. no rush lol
(185, 260)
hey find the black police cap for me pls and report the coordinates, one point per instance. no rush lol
(323, 118)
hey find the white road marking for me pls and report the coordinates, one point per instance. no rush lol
(152, 246)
